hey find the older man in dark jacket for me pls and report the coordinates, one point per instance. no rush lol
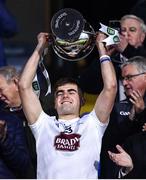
(14, 156)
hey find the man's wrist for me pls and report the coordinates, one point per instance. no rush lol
(124, 171)
(132, 114)
(39, 49)
(104, 58)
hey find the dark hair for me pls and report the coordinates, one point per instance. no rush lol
(69, 80)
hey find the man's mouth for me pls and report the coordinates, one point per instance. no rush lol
(64, 102)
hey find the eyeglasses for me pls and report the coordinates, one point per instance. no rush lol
(129, 77)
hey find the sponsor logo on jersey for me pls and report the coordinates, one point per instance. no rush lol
(67, 142)
(123, 113)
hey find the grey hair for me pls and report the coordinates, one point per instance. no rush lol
(131, 16)
(9, 72)
(138, 61)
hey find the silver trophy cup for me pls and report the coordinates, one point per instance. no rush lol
(73, 37)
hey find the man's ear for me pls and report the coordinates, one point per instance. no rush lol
(143, 36)
(15, 80)
(82, 101)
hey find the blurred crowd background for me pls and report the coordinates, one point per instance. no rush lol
(34, 16)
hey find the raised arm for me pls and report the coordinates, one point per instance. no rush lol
(30, 102)
(106, 98)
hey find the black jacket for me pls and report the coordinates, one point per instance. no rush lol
(119, 129)
(14, 156)
(135, 146)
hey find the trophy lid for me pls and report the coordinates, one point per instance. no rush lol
(67, 24)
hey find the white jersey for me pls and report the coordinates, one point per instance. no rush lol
(68, 149)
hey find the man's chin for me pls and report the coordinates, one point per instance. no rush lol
(127, 93)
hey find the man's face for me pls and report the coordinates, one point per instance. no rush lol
(131, 30)
(130, 83)
(67, 101)
(8, 92)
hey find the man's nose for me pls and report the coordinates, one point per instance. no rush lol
(125, 82)
(65, 94)
(125, 34)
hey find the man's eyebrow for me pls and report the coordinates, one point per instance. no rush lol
(69, 90)
(72, 90)
(58, 91)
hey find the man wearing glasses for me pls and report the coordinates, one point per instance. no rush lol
(127, 117)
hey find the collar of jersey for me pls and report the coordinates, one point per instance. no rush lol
(68, 122)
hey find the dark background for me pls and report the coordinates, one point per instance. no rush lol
(101, 10)
(34, 16)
